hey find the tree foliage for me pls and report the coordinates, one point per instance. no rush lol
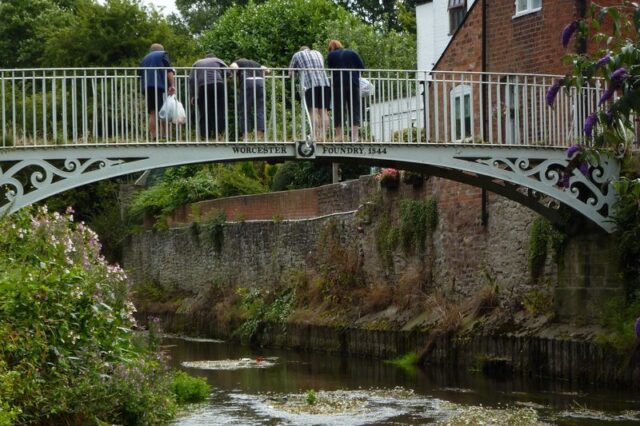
(59, 33)
(273, 31)
(201, 14)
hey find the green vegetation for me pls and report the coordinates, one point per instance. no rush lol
(543, 234)
(418, 220)
(537, 302)
(69, 355)
(271, 32)
(181, 186)
(387, 238)
(65, 33)
(311, 397)
(626, 215)
(408, 360)
(188, 389)
(261, 307)
(618, 318)
(408, 363)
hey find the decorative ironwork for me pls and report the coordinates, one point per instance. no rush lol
(540, 178)
(28, 181)
(587, 189)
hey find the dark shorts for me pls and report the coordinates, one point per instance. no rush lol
(155, 98)
(346, 102)
(318, 97)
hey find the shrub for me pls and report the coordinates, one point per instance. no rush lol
(68, 353)
(189, 389)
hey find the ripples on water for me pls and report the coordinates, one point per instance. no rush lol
(271, 388)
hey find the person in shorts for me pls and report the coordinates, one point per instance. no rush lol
(308, 64)
(156, 79)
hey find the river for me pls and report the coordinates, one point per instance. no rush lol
(283, 387)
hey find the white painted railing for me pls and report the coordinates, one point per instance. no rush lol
(47, 107)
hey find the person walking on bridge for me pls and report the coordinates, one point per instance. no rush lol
(207, 82)
(309, 64)
(251, 97)
(156, 78)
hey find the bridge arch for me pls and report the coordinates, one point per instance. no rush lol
(531, 176)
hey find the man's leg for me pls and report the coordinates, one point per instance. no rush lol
(221, 109)
(258, 108)
(152, 125)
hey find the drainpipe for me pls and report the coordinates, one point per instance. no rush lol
(485, 107)
(581, 11)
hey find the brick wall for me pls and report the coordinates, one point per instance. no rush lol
(464, 52)
(527, 44)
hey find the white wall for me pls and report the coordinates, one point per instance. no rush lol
(432, 21)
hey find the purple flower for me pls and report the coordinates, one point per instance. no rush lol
(589, 122)
(606, 95)
(584, 169)
(553, 91)
(573, 149)
(564, 181)
(603, 61)
(608, 117)
(568, 32)
(618, 76)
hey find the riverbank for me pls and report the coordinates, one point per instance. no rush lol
(412, 269)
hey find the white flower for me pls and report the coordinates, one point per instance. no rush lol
(43, 265)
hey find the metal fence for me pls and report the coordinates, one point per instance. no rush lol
(46, 107)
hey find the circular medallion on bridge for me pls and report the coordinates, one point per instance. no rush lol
(306, 149)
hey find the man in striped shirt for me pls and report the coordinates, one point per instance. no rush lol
(309, 65)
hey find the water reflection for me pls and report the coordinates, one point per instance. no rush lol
(250, 395)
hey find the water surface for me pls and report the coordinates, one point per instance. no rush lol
(272, 387)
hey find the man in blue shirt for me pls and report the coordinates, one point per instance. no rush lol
(156, 79)
(345, 84)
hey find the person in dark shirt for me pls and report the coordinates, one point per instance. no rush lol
(155, 80)
(207, 82)
(345, 87)
(250, 99)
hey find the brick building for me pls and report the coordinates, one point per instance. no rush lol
(517, 44)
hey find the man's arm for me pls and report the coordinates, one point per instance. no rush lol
(171, 88)
(292, 65)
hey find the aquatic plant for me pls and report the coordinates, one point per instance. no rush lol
(311, 397)
(188, 389)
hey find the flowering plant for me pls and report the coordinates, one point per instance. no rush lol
(609, 124)
(388, 178)
(65, 321)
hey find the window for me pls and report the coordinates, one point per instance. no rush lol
(527, 6)
(461, 113)
(457, 10)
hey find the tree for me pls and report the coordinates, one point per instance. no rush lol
(24, 28)
(117, 33)
(202, 14)
(272, 31)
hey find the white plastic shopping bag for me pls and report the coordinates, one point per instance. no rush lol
(173, 111)
(366, 88)
(181, 115)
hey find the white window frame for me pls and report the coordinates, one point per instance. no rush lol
(529, 8)
(461, 92)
